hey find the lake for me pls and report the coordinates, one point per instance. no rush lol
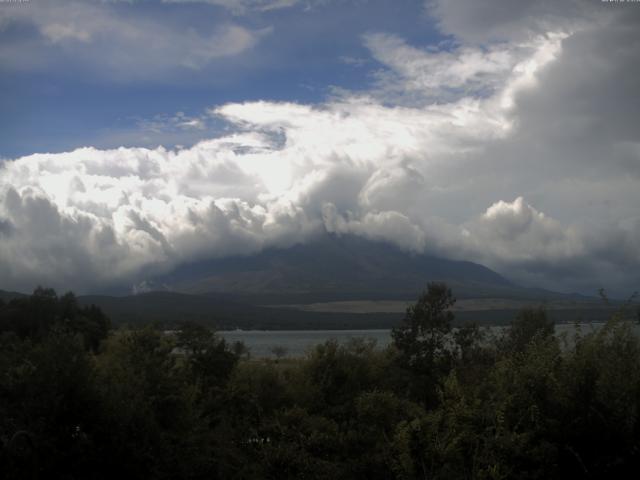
(298, 342)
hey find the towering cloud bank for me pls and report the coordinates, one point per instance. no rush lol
(445, 153)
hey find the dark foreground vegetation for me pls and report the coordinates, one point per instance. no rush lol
(81, 401)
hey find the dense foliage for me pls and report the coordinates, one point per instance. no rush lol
(80, 401)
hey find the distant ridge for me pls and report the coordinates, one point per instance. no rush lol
(333, 268)
(301, 287)
(7, 296)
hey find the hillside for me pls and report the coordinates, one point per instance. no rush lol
(6, 296)
(332, 267)
(330, 283)
(343, 268)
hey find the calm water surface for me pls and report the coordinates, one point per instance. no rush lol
(298, 342)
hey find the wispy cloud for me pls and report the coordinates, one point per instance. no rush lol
(240, 7)
(117, 43)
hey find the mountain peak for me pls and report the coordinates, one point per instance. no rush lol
(331, 266)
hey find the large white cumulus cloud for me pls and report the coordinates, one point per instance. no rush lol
(498, 152)
(107, 216)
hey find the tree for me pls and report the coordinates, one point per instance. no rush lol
(279, 351)
(207, 355)
(423, 339)
(150, 419)
(426, 324)
(530, 325)
(47, 406)
(36, 316)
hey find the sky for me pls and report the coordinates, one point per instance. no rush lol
(140, 135)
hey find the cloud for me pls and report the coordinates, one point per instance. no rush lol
(439, 73)
(92, 217)
(245, 7)
(389, 226)
(57, 32)
(517, 233)
(240, 7)
(163, 123)
(520, 153)
(481, 21)
(121, 44)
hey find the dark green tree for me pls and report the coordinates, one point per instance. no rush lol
(424, 342)
(531, 324)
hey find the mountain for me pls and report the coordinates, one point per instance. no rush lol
(333, 268)
(6, 296)
(334, 282)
